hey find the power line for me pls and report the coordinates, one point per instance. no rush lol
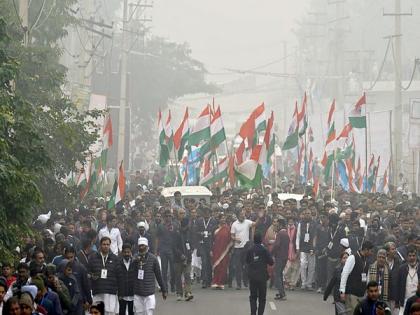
(46, 17)
(41, 10)
(382, 65)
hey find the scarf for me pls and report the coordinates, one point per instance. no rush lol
(291, 231)
(373, 276)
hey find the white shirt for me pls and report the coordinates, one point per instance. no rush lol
(347, 269)
(412, 280)
(115, 236)
(241, 232)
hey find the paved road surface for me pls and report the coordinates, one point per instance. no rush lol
(230, 301)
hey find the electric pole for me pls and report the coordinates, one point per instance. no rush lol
(398, 107)
(123, 87)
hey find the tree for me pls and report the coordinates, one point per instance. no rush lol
(43, 134)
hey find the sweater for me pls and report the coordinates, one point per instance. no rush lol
(109, 284)
(144, 281)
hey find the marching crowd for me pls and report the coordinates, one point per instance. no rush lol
(361, 249)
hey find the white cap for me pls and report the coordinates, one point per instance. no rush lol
(141, 224)
(143, 241)
(225, 206)
(344, 242)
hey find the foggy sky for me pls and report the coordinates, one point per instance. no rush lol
(229, 34)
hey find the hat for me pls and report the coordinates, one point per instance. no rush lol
(225, 206)
(143, 241)
(30, 289)
(25, 299)
(38, 282)
(141, 224)
(344, 242)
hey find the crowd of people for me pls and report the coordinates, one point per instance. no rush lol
(361, 249)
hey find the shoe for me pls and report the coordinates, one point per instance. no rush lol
(319, 290)
(189, 297)
(179, 298)
(280, 298)
(221, 287)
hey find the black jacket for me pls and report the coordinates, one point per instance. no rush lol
(81, 275)
(257, 259)
(108, 285)
(402, 282)
(393, 290)
(150, 265)
(414, 299)
(365, 307)
(126, 278)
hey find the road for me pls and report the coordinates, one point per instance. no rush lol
(231, 301)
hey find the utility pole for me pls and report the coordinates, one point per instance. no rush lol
(123, 87)
(398, 108)
(23, 14)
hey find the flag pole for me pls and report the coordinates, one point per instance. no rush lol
(332, 178)
(366, 146)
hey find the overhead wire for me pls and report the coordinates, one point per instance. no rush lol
(382, 65)
(46, 17)
(17, 14)
(41, 10)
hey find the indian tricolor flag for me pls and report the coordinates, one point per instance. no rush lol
(219, 173)
(357, 116)
(106, 140)
(118, 190)
(303, 118)
(181, 136)
(270, 132)
(328, 157)
(217, 131)
(163, 146)
(259, 116)
(292, 139)
(201, 129)
(169, 133)
(250, 172)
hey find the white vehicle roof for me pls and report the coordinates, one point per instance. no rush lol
(186, 191)
(297, 197)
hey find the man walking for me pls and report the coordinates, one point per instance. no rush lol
(257, 259)
(147, 271)
(354, 277)
(103, 270)
(126, 277)
(240, 235)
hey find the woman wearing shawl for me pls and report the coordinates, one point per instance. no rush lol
(293, 264)
(220, 259)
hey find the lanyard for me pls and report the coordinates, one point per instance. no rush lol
(104, 259)
(206, 224)
(333, 235)
(414, 273)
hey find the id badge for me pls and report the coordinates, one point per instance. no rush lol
(187, 245)
(364, 277)
(380, 289)
(104, 273)
(206, 234)
(306, 238)
(330, 245)
(140, 274)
